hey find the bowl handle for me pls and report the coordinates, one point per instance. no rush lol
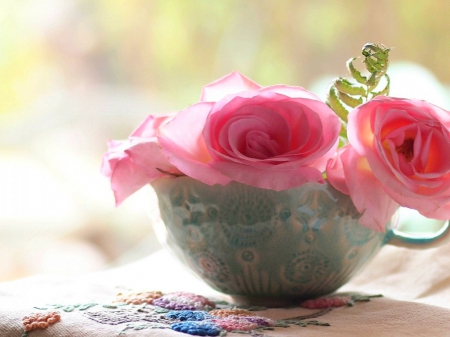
(419, 240)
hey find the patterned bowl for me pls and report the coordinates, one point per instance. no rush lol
(271, 247)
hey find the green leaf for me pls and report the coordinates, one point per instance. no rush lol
(373, 81)
(348, 88)
(350, 101)
(336, 105)
(355, 72)
(385, 91)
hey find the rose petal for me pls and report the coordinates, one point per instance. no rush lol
(149, 127)
(148, 155)
(335, 172)
(275, 178)
(229, 84)
(182, 143)
(114, 154)
(126, 179)
(290, 91)
(366, 191)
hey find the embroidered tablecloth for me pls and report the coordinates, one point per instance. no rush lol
(158, 297)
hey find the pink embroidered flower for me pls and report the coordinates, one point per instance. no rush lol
(231, 323)
(133, 163)
(326, 302)
(397, 146)
(184, 301)
(241, 322)
(275, 137)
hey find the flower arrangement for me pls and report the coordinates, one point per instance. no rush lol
(382, 151)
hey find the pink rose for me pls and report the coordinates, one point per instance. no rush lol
(406, 145)
(133, 163)
(275, 137)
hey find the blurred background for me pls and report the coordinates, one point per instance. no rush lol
(76, 73)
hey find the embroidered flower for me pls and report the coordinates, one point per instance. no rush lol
(138, 297)
(40, 320)
(230, 312)
(188, 315)
(184, 301)
(326, 302)
(231, 323)
(197, 328)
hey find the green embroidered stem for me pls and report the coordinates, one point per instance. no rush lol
(362, 298)
(313, 315)
(344, 94)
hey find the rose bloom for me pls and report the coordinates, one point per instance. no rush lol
(275, 137)
(399, 147)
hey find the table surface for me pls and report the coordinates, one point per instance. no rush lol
(415, 286)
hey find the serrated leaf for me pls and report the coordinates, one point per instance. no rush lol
(350, 101)
(385, 91)
(372, 65)
(336, 105)
(373, 81)
(355, 72)
(346, 87)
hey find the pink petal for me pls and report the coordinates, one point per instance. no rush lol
(290, 91)
(321, 162)
(335, 172)
(182, 144)
(366, 191)
(126, 179)
(440, 212)
(114, 154)
(148, 155)
(149, 127)
(131, 164)
(359, 128)
(274, 178)
(230, 84)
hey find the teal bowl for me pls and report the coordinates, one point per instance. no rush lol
(271, 247)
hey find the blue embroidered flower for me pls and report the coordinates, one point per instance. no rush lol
(197, 328)
(188, 315)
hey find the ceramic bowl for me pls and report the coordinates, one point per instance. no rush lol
(264, 246)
